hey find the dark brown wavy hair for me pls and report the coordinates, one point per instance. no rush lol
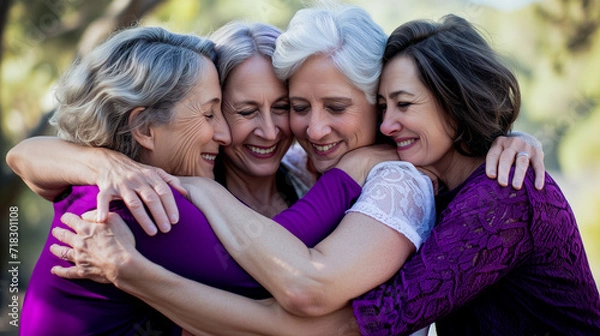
(479, 94)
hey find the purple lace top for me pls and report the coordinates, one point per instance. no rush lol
(499, 262)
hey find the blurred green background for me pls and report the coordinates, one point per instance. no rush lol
(553, 45)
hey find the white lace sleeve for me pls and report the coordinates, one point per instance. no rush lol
(399, 196)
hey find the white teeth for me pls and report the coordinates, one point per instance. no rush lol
(262, 151)
(405, 143)
(209, 157)
(324, 148)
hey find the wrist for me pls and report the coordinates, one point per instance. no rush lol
(127, 270)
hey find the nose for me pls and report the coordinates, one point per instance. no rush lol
(222, 135)
(267, 128)
(318, 126)
(390, 125)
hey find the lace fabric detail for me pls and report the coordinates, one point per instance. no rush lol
(499, 262)
(399, 196)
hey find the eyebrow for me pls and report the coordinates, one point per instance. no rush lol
(328, 99)
(395, 94)
(212, 101)
(253, 102)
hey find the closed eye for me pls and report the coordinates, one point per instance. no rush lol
(300, 109)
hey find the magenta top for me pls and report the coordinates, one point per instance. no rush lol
(56, 306)
(500, 261)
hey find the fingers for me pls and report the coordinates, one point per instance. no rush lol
(537, 162)
(135, 205)
(521, 165)
(492, 159)
(64, 236)
(103, 202)
(507, 151)
(144, 190)
(172, 181)
(67, 272)
(504, 164)
(63, 252)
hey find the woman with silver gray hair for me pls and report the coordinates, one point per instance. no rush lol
(331, 115)
(154, 97)
(257, 167)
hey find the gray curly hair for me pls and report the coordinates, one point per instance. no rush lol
(137, 67)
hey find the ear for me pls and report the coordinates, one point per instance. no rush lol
(142, 135)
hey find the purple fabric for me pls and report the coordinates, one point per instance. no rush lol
(499, 262)
(55, 306)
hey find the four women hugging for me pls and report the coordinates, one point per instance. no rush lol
(373, 246)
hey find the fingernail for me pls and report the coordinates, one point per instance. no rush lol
(174, 219)
(165, 227)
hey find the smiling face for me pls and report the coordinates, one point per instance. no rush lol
(256, 107)
(189, 144)
(412, 116)
(329, 116)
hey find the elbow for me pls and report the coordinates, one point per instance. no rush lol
(306, 300)
(12, 160)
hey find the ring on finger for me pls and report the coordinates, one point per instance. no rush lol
(63, 255)
(523, 153)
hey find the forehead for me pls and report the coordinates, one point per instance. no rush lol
(253, 74)
(319, 72)
(400, 73)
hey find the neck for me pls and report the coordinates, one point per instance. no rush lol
(258, 192)
(455, 168)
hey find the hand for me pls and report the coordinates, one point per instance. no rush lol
(519, 148)
(138, 185)
(98, 250)
(358, 162)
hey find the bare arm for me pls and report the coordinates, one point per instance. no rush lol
(360, 254)
(505, 151)
(108, 253)
(49, 165)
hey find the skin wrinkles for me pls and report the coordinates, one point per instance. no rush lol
(329, 116)
(256, 107)
(180, 145)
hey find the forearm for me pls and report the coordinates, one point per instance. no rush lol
(267, 251)
(49, 165)
(202, 310)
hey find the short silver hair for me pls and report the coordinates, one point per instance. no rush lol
(346, 34)
(137, 67)
(235, 42)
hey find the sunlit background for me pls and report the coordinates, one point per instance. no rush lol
(553, 45)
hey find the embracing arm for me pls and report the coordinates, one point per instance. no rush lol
(360, 254)
(48, 165)
(107, 253)
(474, 245)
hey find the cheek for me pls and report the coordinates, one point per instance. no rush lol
(298, 125)
(362, 131)
(283, 123)
(240, 130)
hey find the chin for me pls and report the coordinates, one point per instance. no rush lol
(322, 167)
